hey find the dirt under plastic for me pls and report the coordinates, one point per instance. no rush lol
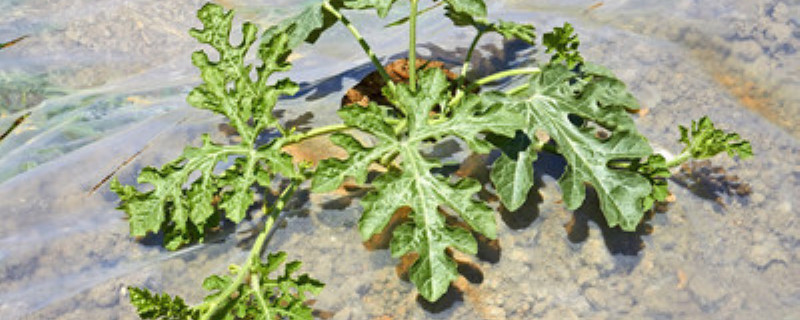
(103, 84)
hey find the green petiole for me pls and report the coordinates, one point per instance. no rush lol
(412, 47)
(255, 252)
(468, 58)
(363, 43)
(494, 77)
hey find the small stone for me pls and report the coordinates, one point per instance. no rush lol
(587, 276)
(494, 312)
(344, 314)
(781, 12)
(560, 313)
(765, 252)
(597, 298)
(706, 288)
(748, 50)
(785, 207)
(105, 295)
(758, 198)
(542, 302)
(518, 255)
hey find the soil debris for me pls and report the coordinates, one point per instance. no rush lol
(369, 89)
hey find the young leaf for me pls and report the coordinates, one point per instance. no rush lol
(473, 8)
(183, 208)
(306, 26)
(154, 306)
(413, 184)
(563, 44)
(265, 297)
(654, 169)
(382, 6)
(277, 297)
(555, 95)
(508, 29)
(705, 141)
(228, 88)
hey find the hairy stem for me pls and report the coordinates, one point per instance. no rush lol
(295, 138)
(361, 42)
(405, 19)
(412, 46)
(255, 252)
(494, 77)
(256, 285)
(680, 159)
(505, 74)
(468, 58)
(518, 89)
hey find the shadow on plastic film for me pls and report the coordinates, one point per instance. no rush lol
(489, 59)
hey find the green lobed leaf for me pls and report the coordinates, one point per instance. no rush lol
(513, 178)
(563, 44)
(704, 141)
(308, 25)
(382, 6)
(164, 307)
(555, 95)
(285, 295)
(508, 29)
(228, 88)
(184, 191)
(473, 8)
(411, 183)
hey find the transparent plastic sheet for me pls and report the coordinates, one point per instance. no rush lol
(106, 85)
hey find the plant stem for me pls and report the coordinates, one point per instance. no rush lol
(256, 285)
(405, 19)
(468, 59)
(518, 89)
(505, 74)
(462, 77)
(361, 42)
(412, 47)
(680, 159)
(255, 252)
(494, 77)
(292, 139)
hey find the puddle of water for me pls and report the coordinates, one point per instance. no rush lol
(106, 88)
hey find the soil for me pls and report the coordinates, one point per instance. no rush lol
(66, 253)
(369, 88)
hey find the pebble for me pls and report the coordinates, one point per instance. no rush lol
(748, 50)
(757, 198)
(763, 253)
(344, 314)
(560, 313)
(105, 295)
(586, 276)
(706, 288)
(494, 312)
(596, 297)
(784, 208)
(781, 12)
